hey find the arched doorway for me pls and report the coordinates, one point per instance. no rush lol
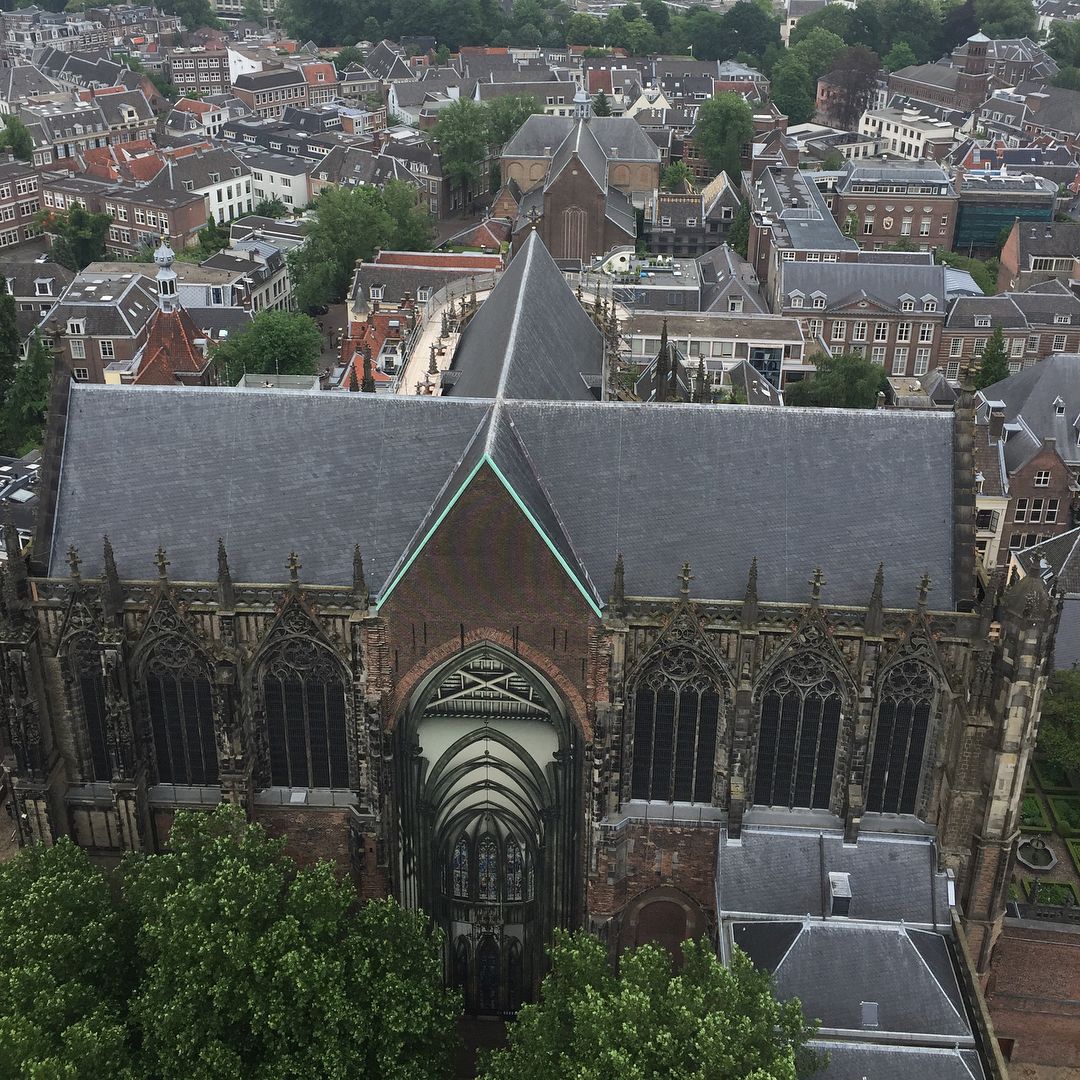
(487, 804)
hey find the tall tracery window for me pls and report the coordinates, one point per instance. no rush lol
(487, 859)
(676, 715)
(461, 868)
(903, 723)
(89, 680)
(800, 723)
(305, 717)
(181, 714)
(515, 870)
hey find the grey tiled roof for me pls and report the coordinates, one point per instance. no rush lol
(531, 339)
(625, 134)
(1062, 553)
(860, 1060)
(832, 967)
(883, 282)
(783, 870)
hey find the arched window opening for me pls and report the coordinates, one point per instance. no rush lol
(85, 659)
(676, 716)
(461, 868)
(487, 974)
(461, 963)
(305, 718)
(515, 870)
(903, 724)
(488, 868)
(181, 709)
(800, 724)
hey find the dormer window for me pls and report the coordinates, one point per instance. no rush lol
(189, 185)
(1061, 320)
(796, 301)
(929, 305)
(375, 292)
(907, 305)
(819, 301)
(215, 178)
(982, 320)
(76, 326)
(1059, 407)
(42, 287)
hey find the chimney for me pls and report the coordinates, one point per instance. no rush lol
(839, 893)
(995, 420)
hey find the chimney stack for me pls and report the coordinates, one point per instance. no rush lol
(839, 893)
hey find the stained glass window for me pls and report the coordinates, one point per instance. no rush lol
(488, 867)
(182, 725)
(900, 739)
(461, 868)
(86, 660)
(800, 723)
(515, 870)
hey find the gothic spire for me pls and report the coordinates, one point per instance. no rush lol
(368, 385)
(618, 586)
(359, 583)
(354, 386)
(112, 596)
(702, 379)
(750, 601)
(874, 617)
(226, 592)
(16, 588)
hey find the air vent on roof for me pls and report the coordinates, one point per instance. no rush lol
(869, 1014)
(839, 893)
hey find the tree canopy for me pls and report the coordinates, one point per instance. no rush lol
(1059, 728)
(10, 339)
(16, 137)
(349, 224)
(217, 960)
(462, 135)
(844, 381)
(793, 90)
(276, 343)
(23, 414)
(703, 1022)
(994, 362)
(724, 123)
(78, 235)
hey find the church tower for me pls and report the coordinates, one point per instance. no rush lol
(166, 277)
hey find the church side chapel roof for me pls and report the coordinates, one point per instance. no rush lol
(661, 484)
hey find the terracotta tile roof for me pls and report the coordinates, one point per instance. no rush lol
(170, 350)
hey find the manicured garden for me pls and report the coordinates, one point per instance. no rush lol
(1049, 811)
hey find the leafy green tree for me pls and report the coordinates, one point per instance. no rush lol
(78, 235)
(703, 31)
(738, 236)
(818, 51)
(838, 19)
(16, 137)
(748, 29)
(1068, 78)
(854, 79)
(350, 54)
(994, 362)
(676, 177)
(1006, 18)
(255, 968)
(24, 402)
(276, 342)
(67, 968)
(657, 12)
(899, 56)
(253, 11)
(213, 236)
(505, 115)
(348, 224)
(194, 14)
(646, 1022)
(412, 226)
(724, 124)
(983, 273)
(584, 29)
(10, 338)
(793, 90)
(271, 208)
(844, 381)
(600, 105)
(958, 23)
(1059, 728)
(461, 133)
(1064, 43)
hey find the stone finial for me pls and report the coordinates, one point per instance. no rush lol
(226, 591)
(685, 577)
(817, 583)
(925, 586)
(162, 561)
(112, 595)
(750, 599)
(618, 586)
(359, 582)
(433, 364)
(294, 569)
(354, 385)
(74, 562)
(875, 610)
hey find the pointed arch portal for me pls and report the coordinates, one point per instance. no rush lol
(487, 771)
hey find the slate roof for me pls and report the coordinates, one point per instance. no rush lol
(531, 339)
(938, 75)
(580, 142)
(623, 133)
(882, 282)
(1030, 397)
(1062, 554)
(781, 870)
(860, 1061)
(24, 81)
(832, 967)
